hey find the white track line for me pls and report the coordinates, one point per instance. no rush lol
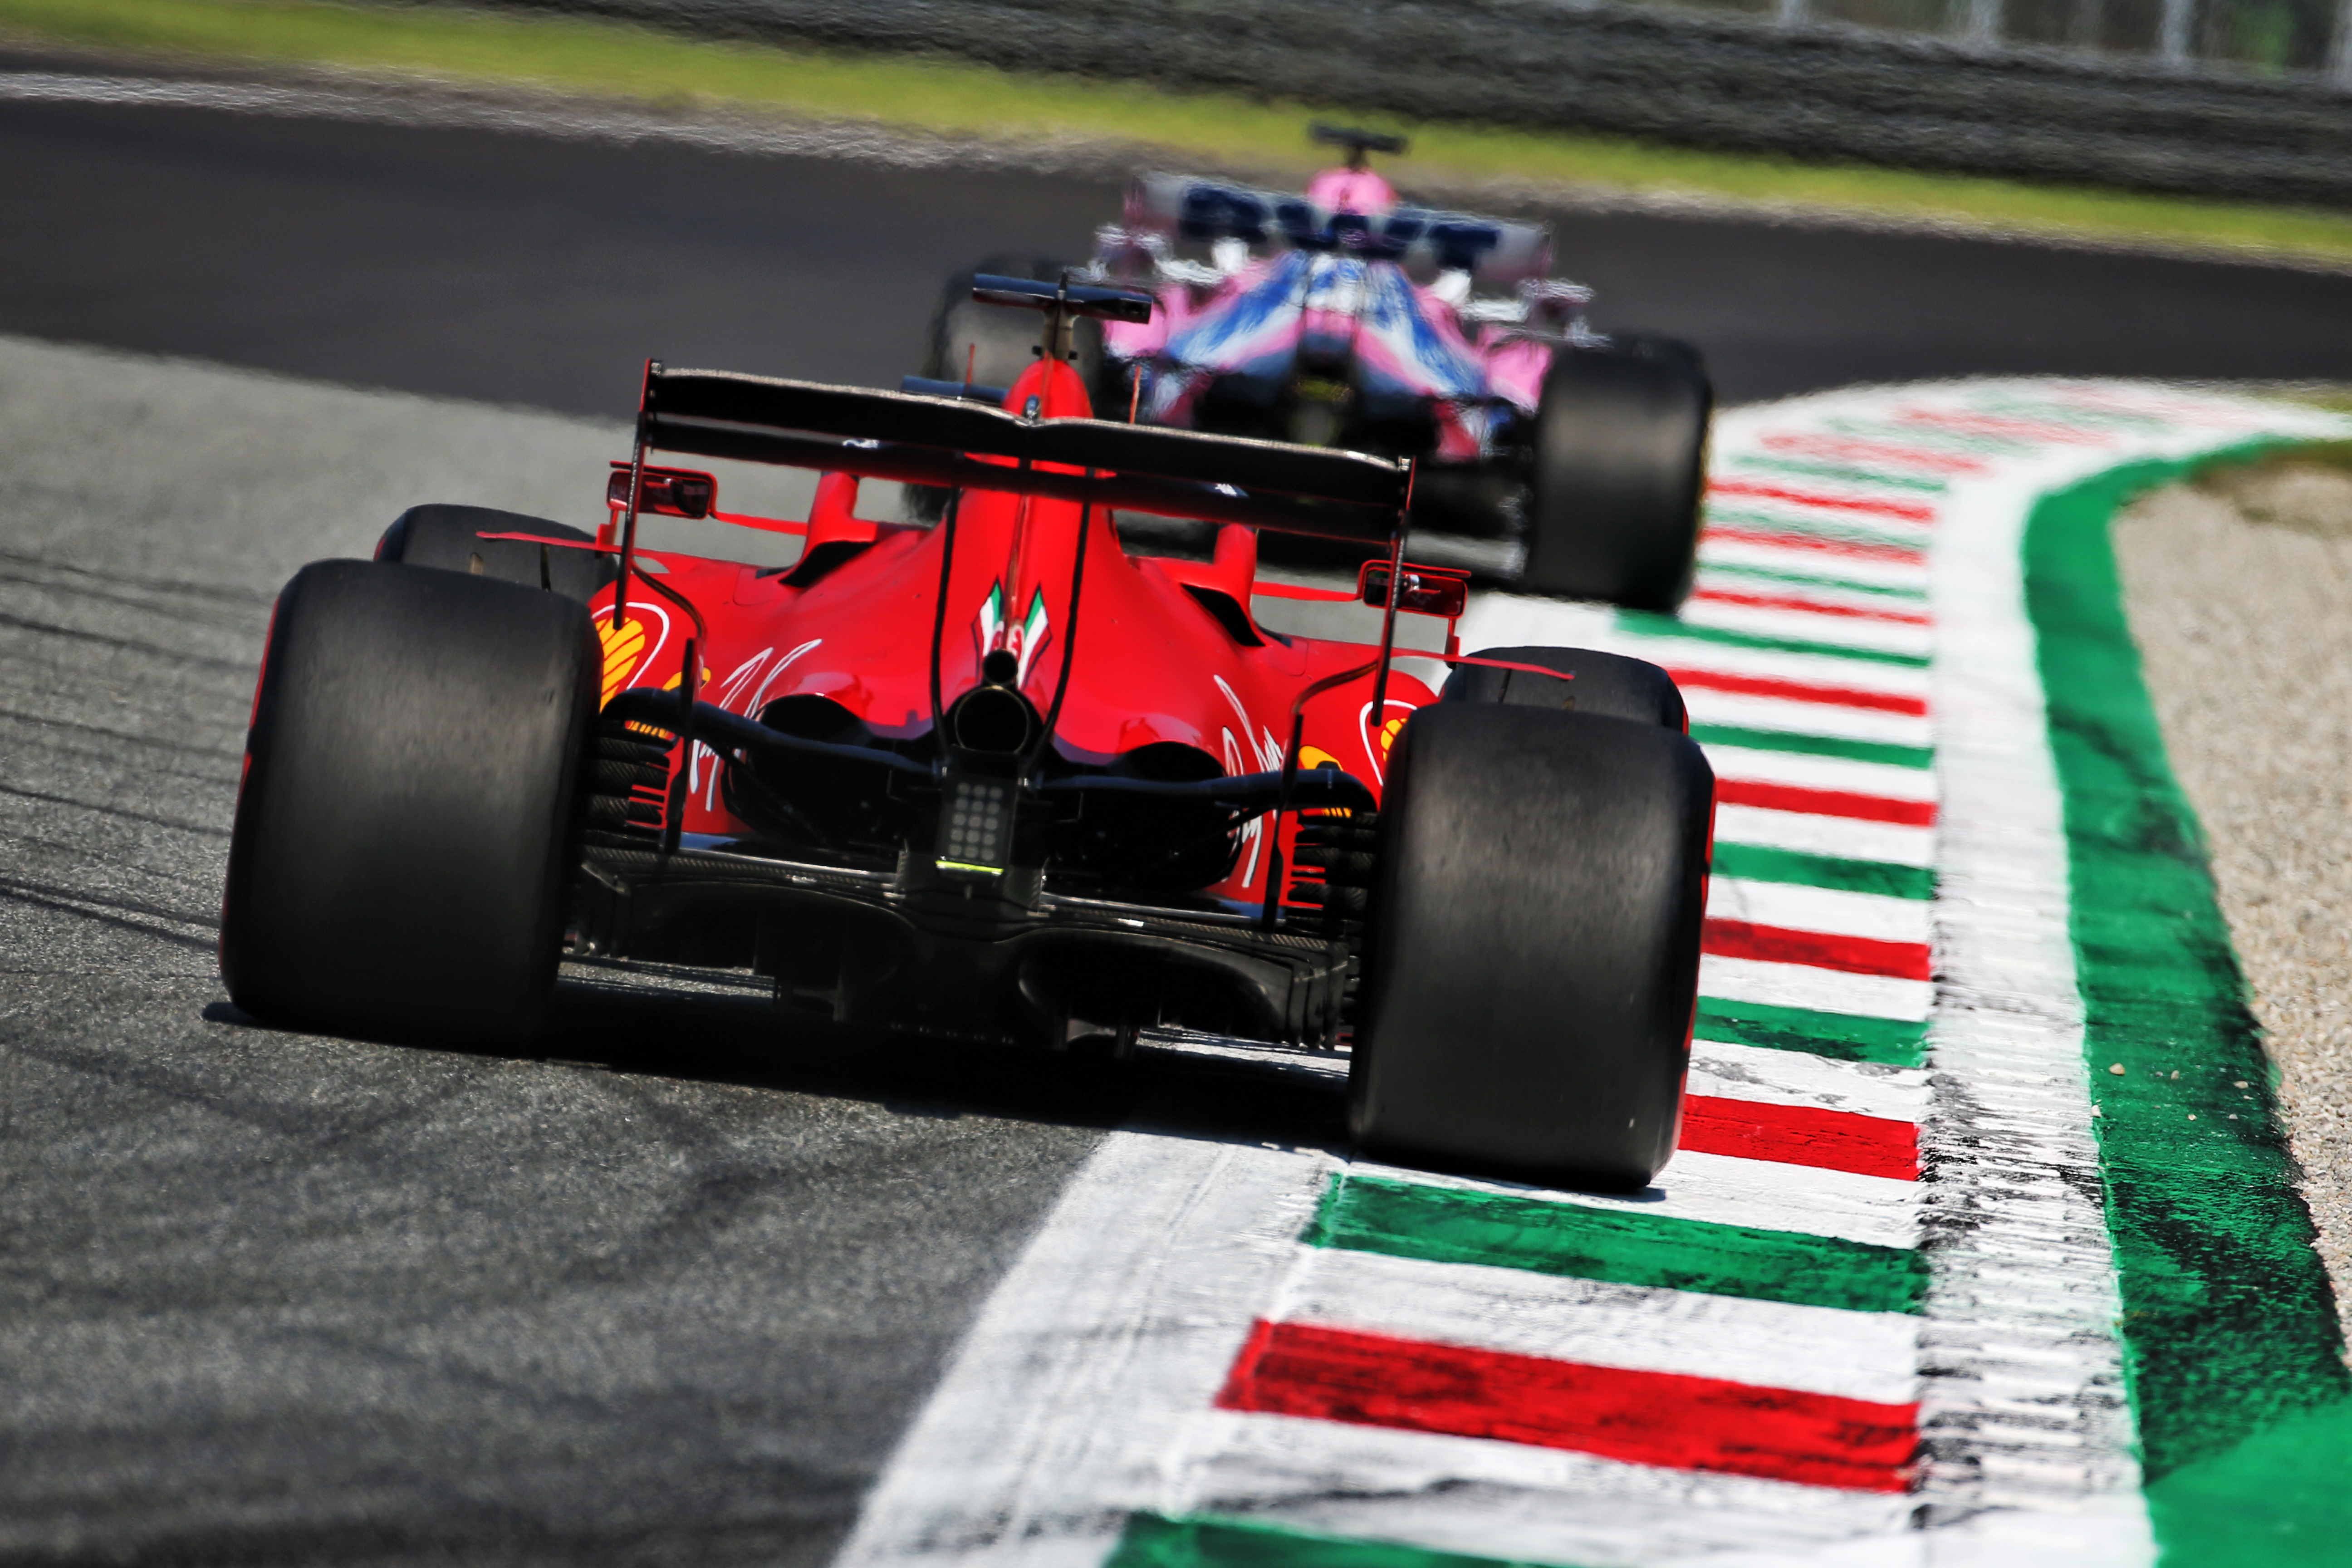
(1065, 1406)
(1838, 838)
(1730, 1071)
(1884, 780)
(2027, 1404)
(1709, 707)
(1819, 990)
(1792, 906)
(1714, 576)
(1813, 669)
(1833, 565)
(1808, 625)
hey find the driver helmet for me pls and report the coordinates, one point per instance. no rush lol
(1358, 191)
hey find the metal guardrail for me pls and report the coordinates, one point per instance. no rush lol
(1713, 80)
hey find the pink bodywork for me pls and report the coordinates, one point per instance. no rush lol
(1352, 191)
(1403, 337)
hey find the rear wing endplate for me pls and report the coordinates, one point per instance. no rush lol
(954, 442)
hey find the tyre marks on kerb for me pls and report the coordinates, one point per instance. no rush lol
(1834, 1330)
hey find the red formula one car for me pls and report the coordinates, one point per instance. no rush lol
(993, 779)
(1566, 460)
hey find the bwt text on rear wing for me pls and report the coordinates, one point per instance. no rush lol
(951, 442)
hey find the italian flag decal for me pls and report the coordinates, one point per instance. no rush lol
(1981, 1245)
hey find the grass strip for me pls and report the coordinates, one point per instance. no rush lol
(1841, 1036)
(2233, 1355)
(1446, 1224)
(1760, 863)
(587, 56)
(1155, 1541)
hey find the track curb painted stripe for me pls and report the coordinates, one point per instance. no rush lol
(1959, 1207)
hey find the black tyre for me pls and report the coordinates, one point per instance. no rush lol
(1590, 681)
(1620, 469)
(450, 538)
(1532, 951)
(397, 867)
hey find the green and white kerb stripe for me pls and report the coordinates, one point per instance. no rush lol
(1920, 1286)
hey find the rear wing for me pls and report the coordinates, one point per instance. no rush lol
(953, 442)
(1192, 208)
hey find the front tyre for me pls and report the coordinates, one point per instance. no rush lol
(1532, 954)
(403, 834)
(1620, 469)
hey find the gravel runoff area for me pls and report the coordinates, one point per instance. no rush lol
(2240, 591)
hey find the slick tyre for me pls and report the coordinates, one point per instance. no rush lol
(1590, 681)
(1532, 953)
(450, 538)
(1619, 468)
(397, 865)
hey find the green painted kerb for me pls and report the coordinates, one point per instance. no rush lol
(1813, 745)
(1444, 1224)
(1844, 1036)
(1758, 863)
(2233, 1352)
(1150, 1541)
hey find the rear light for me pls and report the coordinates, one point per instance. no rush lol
(673, 492)
(976, 816)
(1427, 590)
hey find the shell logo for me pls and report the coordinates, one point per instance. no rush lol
(1313, 757)
(624, 646)
(1388, 737)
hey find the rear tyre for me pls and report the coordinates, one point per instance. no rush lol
(397, 866)
(1533, 943)
(1620, 466)
(450, 538)
(1590, 681)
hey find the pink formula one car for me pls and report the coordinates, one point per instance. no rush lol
(1343, 317)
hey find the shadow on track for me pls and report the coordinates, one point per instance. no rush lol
(704, 1035)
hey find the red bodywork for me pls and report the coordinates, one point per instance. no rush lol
(1167, 651)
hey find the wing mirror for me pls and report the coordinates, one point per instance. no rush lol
(1440, 591)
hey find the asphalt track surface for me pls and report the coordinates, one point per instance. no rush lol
(518, 270)
(664, 1286)
(271, 1298)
